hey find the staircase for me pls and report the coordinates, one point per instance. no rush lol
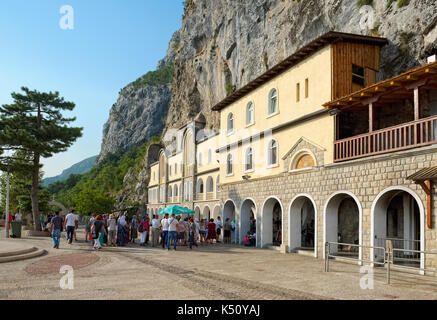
(23, 254)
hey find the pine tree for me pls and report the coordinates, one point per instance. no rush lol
(35, 126)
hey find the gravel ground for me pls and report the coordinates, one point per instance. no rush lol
(215, 272)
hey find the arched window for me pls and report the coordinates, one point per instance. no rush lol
(230, 122)
(170, 192)
(175, 192)
(175, 168)
(209, 156)
(162, 165)
(249, 159)
(273, 101)
(200, 159)
(217, 182)
(209, 185)
(303, 160)
(250, 114)
(272, 153)
(229, 165)
(199, 186)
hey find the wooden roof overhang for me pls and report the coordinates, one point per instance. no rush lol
(391, 90)
(314, 46)
(425, 178)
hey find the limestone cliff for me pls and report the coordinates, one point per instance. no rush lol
(225, 44)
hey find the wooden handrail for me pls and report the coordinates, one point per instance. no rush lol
(401, 137)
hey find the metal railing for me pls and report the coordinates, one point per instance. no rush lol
(390, 255)
(404, 254)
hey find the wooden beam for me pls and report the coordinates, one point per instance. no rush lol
(416, 104)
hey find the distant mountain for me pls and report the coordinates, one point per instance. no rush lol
(79, 168)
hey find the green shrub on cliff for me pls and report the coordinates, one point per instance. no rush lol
(162, 76)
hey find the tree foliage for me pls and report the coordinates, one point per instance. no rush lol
(102, 184)
(34, 126)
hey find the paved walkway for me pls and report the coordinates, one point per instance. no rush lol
(210, 272)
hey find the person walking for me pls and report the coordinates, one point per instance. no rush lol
(41, 221)
(112, 230)
(218, 226)
(87, 227)
(134, 229)
(233, 228)
(211, 231)
(202, 231)
(146, 230)
(121, 231)
(227, 231)
(70, 225)
(76, 226)
(155, 230)
(193, 234)
(96, 230)
(164, 234)
(18, 217)
(55, 229)
(172, 231)
(180, 227)
(142, 231)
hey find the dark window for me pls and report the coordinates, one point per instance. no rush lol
(358, 75)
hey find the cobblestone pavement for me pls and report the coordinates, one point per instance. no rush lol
(211, 272)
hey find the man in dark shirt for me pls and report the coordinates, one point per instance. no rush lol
(55, 229)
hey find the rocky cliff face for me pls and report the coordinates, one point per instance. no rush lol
(225, 44)
(138, 115)
(140, 110)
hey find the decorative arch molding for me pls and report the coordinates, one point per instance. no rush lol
(59, 205)
(316, 218)
(360, 217)
(376, 203)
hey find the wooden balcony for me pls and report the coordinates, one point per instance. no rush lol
(402, 137)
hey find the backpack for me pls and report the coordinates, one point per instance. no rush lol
(141, 227)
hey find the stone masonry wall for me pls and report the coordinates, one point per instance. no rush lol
(364, 178)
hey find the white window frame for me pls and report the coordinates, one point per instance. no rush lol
(228, 130)
(249, 106)
(231, 158)
(269, 104)
(246, 170)
(270, 164)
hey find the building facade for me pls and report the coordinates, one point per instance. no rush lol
(316, 151)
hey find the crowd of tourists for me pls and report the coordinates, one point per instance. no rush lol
(119, 230)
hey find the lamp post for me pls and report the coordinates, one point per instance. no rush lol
(7, 205)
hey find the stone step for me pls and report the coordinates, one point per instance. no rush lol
(17, 252)
(309, 253)
(30, 255)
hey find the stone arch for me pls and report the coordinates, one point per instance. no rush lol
(59, 205)
(300, 206)
(197, 213)
(269, 210)
(206, 213)
(379, 221)
(217, 212)
(209, 184)
(247, 209)
(333, 207)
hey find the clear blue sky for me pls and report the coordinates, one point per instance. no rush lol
(112, 44)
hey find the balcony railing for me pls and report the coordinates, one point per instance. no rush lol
(209, 195)
(406, 136)
(200, 196)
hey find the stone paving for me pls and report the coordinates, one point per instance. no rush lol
(210, 272)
